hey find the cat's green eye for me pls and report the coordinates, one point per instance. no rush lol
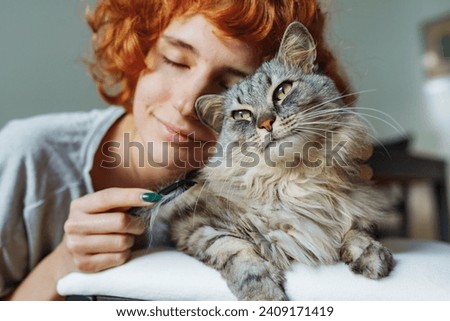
(282, 91)
(242, 114)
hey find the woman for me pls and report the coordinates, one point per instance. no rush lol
(66, 189)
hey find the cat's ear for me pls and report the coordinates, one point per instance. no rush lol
(298, 48)
(210, 112)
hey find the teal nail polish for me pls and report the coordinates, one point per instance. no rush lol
(150, 197)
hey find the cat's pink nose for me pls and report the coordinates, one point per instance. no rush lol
(267, 124)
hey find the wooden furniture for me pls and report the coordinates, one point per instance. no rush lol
(394, 163)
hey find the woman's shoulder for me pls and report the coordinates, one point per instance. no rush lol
(32, 135)
(57, 122)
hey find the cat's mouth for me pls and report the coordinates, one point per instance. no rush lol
(273, 138)
(283, 147)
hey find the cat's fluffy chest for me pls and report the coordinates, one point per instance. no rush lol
(287, 216)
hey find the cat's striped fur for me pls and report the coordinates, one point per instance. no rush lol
(251, 219)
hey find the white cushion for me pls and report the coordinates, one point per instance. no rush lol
(422, 272)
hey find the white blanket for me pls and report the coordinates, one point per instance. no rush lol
(422, 272)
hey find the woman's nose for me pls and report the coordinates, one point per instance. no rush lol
(188, 93)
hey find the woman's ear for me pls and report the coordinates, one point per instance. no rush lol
(298, 48)
(210, 111)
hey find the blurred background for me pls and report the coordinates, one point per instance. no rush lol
(390, 50)
(42, 44)
(397, 53)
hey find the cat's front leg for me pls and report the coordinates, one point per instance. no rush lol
(365, 255)
(252, 278)
(247, 274)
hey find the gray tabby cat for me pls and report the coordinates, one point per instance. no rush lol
(269, 201)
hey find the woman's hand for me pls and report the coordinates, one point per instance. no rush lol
(99, 233)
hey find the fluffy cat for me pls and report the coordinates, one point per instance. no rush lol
(283, 185)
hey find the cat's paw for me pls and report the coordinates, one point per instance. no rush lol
(262, 289)
(275, 295)
(375, 262)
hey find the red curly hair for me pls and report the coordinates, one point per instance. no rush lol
(125, 30)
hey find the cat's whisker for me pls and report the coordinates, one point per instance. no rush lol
(334, 124)
(373, 137)
(319, 131)
(340, 97)
(369, 124)
(334, 111)
(398, 127)
(329, 111)
(356, 111)
(363, 116)
(322, 115)
(309, 131)
(309, 109)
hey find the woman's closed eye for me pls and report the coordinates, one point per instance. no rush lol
(175, 63)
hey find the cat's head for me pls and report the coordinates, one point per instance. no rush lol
(286, 102)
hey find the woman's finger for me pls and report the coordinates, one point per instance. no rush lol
(102, 261)
(104, 223)
(111, 198)
(101, 243)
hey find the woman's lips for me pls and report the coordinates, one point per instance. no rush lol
(175, 134)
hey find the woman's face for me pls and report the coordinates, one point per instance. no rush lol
(187, 61)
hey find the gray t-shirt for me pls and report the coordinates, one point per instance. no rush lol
(44, 164)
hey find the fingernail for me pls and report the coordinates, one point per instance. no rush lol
(150, 197)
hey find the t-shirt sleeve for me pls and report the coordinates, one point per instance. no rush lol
(44, 164)
(13, 239)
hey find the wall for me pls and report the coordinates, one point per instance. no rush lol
(381, 45)
(43, 42)
(41, 50)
